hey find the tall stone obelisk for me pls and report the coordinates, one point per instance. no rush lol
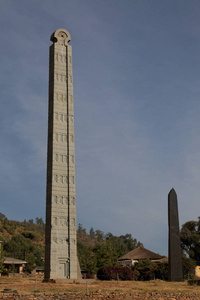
(60, 252)
(175, 257)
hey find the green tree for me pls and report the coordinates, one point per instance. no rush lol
(32, 235)
(16, 247)
(22, 248)
(144, 270)
(92, 233)
(162, 272)
(40, 222)
(105, 255)
(122, 244)
(118, 244)
(190, 239)
(87, 258)
(130, 242)
(99, 235)
(188, 267)
(29, 267)
(81, 231)
(105, 251)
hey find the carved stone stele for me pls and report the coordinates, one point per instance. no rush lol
(61, 243)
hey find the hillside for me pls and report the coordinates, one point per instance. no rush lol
(9, 228)
(36, 231)
(26, 240)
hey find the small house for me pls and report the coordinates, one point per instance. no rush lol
(137, 254)
(18, 264)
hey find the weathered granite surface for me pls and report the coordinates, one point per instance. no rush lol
(60, 244)
(175, 257)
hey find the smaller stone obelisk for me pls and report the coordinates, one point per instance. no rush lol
(175, 261)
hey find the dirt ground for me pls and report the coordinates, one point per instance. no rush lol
(31, 285)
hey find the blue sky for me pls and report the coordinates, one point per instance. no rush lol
(136, 71)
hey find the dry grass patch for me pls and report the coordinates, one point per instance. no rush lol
(27, 286)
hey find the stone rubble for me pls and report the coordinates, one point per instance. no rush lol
(100, 296)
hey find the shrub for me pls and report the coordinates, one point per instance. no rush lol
(126, 273)
(145, 270)
(107, 273)
(188, 267)
(88, 276)
(115, 273)
(31, 235)
(4, 271)
(162, 272)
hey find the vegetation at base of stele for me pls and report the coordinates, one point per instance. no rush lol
(97, 252)
(115, 273)
(145, 270)
(102, 255)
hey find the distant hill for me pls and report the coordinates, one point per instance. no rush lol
(10, 228)
(26, 240)
(35, 231)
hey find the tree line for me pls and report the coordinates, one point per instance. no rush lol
(102, 249)
(107, 248)
(96, 250)
(22, 240)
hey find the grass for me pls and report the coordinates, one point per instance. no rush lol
(27, 286)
